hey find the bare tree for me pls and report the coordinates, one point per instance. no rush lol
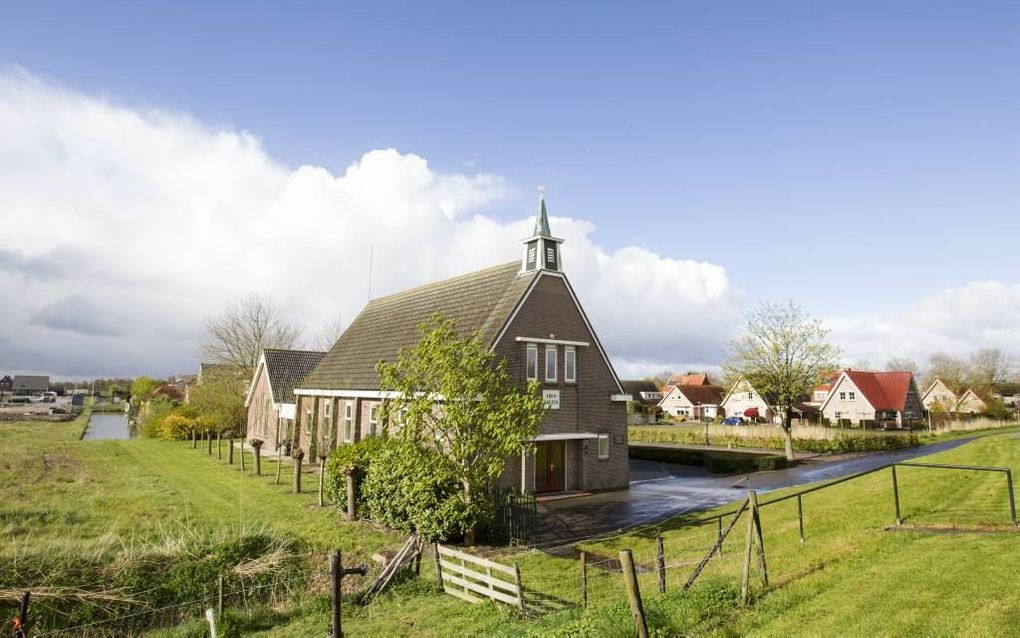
(952, 371)
(238, 335)
(902, 364)
(327, 334)
(991, 367)
(782, 356)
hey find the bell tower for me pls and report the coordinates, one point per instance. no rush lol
(541, 250)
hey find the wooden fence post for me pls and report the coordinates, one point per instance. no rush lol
(896, 493)
(242, 453)
(219, 598)
(21, 624)
(334, 592)
(637, 609)
(753, 531)
(219, 447)
(660, 563)
(756, 517)
(257, 445)
(520, 588)
(279, 462)
(194, 439)
(230, 447)
(297, 455)
(322, 474)
(584, 578)
(439, 566)
(352, 512)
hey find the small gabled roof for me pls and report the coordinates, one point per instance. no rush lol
(286, 369)
(970, 392)
(691, 378)
(482, 300)
(702, 394)
(934, 384)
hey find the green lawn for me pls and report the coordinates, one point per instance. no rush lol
(850, 577)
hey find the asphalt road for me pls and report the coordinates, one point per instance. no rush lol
(661, 490)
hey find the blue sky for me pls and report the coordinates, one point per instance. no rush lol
(851, 155)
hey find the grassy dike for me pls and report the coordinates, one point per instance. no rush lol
(144, 515)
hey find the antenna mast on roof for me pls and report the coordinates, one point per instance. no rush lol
(371, 248)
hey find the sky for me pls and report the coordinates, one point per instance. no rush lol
(158, 160)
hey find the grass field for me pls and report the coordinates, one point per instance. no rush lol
(850, 577)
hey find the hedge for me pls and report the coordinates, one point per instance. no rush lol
(360, 456)
(716, 461)
(842, 443)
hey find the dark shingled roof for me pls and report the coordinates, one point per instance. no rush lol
(702, 394)
(635, 387)
(287, 368)
(482, 300)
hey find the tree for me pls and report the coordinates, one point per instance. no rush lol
(454, 397)
(952, 371)
(142, 388)
(247, 326)
(782, 356)
(990, 367)
(327, 334)
(220, 400)
(902, 364)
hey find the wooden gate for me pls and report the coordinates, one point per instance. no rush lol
(473, 578)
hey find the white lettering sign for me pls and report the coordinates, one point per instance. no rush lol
(552, 399)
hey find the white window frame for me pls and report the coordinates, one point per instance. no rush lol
(373, 419)
(531, 362)
(603, 447)
(569, 364)
(348, 422)
(308, 422)
(853, 396)
(549, 349)
(842, 396)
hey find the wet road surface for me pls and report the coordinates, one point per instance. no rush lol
(661, 490)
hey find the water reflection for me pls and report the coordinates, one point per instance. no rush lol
(109, 425)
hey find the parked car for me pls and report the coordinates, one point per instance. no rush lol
(733, 420)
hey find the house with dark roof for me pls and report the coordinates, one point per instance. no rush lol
(693, 401)
(643, 406)
(885, 399)
(30, 384)
(6, 384)
(531, 318)
(270, 398)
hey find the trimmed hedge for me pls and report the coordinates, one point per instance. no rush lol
(360, 456)
(842, 443)
(716, 461)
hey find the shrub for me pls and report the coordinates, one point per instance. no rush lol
(359, 456)
(175, 427)
(405, 490)
(810, 439)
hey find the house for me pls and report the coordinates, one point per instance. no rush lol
(688, 378)
(939, 398)
(28, 384)
(270, 397)
(693, 401)
(744, 400)
(168, 391)
(529, 315)
(6, 385)
(970, 403)
(644, 404)
(882, 398)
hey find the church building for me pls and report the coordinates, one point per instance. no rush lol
(531, 317)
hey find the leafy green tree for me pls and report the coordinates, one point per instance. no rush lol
(143, 387)
(220, 399)
(455, 398)
(782, 356)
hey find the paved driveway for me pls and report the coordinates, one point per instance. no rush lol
(661, 490)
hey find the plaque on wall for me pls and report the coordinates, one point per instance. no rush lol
(552, 399)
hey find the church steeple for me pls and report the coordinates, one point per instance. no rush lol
(541, 250)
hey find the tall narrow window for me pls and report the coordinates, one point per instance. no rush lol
(603, 446)
(532, 362)
(348, 422)
(326, 432)
(570, 364)
(308, 422)
(373, 419)
(550, 363)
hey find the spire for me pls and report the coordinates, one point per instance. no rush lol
(542, 221)
(541, 250)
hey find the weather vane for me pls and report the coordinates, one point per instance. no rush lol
(541, 190)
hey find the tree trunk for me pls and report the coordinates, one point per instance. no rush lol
(788, 431)
(469, 534)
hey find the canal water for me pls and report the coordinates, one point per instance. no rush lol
(108, 425)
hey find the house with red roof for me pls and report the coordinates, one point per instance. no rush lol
(885, 399)
(688, 378)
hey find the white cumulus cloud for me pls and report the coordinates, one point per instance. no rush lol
(122, 228)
